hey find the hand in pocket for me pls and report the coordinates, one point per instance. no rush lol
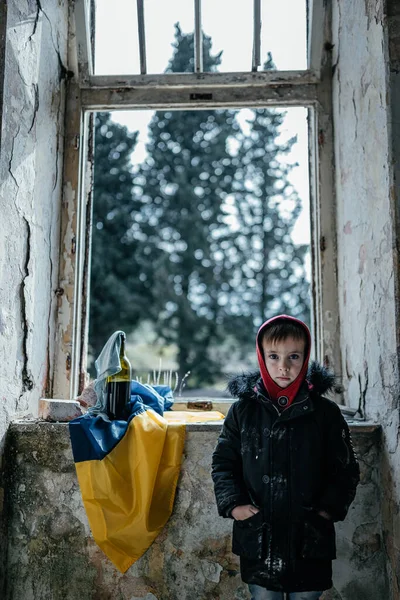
(241, 513)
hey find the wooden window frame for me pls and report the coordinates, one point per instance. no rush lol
(89, 93)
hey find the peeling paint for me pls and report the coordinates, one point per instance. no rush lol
(362, 256)
(29, 200)
(347, 230)
(374, 11)
(367, 212)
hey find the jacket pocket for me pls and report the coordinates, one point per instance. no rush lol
(247, 539)
(319, 538)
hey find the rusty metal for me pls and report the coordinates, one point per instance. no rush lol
(142, 36)
(200, 405)
(198, 38)
(256, 35)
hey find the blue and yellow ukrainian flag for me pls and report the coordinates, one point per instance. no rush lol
(127, 473)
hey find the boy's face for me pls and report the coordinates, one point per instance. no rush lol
(284, 359)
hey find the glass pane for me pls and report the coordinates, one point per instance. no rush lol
(296, 123)
(285, 37)
(231, 31)
(161, 19)
(200, 231)
(116, 40)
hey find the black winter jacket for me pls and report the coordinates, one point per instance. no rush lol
(290, 465)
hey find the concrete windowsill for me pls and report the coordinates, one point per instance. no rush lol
(30, 425)
(58, 410)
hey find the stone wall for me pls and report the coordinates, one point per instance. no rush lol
(32, 122)
(52, 556)
(365, 91)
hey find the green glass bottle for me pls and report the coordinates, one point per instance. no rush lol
(119, 387)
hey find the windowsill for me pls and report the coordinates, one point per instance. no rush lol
(58, 410)
(29, 425)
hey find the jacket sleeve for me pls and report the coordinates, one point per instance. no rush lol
(227, 469)
(343, 472)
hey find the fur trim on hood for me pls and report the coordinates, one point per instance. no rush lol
(320, 381)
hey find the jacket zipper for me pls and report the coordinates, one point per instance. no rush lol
(271, 522)
(289, 493)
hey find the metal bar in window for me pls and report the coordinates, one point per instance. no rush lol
(198, 38)
(256, 35)
(142, 39)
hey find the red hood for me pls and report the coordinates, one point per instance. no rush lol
(274, 391)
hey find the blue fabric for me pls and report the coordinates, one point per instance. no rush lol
(136, 403)
(150, 396)
(167, 394)
(157, 397)
(94, 436)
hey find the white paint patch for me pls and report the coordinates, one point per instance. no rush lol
(4, 329)
(211, 570)
(392, 432)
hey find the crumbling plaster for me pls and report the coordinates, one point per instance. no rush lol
(367, 195)
(363, 180)
(30, 189)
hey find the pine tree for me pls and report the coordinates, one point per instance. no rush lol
(269, 277)
(118, 289)
(195, 239)
(185, 180)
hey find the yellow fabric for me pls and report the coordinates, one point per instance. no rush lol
(129, 494)
(195, 416)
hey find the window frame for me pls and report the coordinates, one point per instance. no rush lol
(89, 93)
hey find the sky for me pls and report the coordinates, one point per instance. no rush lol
(230, 25)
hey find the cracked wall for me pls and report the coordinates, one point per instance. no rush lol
(33, 50)
(30, 187)
(366, 159)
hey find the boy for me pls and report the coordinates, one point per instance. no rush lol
(284, 468)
